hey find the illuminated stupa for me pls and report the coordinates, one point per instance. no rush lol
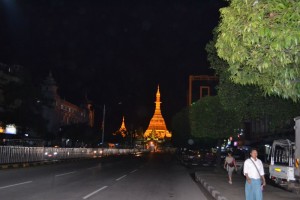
(122, 130)
(157, 129)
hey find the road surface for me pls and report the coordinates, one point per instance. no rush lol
(151, 176)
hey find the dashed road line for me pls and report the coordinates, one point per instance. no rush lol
(121, 177)
(96, 191)
(133, 171)
(17, 184)
(65, 174)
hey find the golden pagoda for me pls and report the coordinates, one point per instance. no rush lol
(157, 129)
(122, 130)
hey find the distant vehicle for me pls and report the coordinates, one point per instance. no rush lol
(285, 160)
(197, 157)
(208, 158)
(191, 157)
(50, 154)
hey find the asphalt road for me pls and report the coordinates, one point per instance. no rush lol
(153, 176)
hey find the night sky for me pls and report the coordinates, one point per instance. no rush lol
(113, 51)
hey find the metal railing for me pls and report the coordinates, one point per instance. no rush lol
(16, 154)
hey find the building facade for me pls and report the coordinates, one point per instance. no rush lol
(59, 112)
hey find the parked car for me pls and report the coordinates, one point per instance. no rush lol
(240, 157)
(191, 157)
(208, 158)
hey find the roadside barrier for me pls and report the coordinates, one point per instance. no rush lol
(17, 154)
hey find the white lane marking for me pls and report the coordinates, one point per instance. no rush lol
(65, 173)
(7, 186)
(133, 171)
(91, 194)
(121, 177)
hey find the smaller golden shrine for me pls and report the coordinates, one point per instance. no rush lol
(122, 130)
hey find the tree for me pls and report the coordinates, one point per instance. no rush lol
(250, 104)
(248, 101)
(181, 127)
(20, 102)
(260, 40)
(209, 119)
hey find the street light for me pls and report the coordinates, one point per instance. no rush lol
(103, 122)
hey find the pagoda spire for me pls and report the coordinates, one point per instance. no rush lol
(157, 102)
(123, 128)
(122, 131)
(157, 126)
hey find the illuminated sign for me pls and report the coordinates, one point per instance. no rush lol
(11, 129)
(1, 129)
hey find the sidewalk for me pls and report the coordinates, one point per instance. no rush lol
(216, 182)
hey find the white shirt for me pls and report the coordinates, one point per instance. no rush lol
(251, 170)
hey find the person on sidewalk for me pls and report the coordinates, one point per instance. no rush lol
(255, 180)
(230, 165)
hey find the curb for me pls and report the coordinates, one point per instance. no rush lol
(24, 165)
(44, 162)
(216, 194)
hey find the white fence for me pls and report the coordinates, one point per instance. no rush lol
(15, 154)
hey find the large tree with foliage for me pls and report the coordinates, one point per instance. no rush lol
(20, 102)
(260, 40)
(209, 119)
(249, 101)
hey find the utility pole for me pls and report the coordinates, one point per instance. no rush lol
(103, 122)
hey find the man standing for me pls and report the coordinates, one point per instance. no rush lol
(254, 172)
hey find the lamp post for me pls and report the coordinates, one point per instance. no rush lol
(103, 122)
